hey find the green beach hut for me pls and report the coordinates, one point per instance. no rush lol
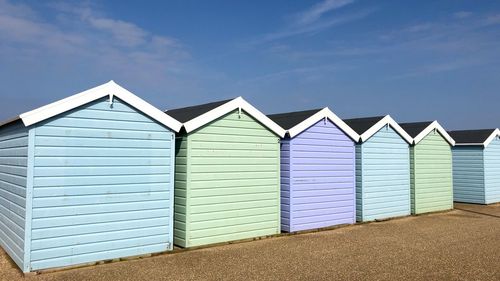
(227, 173)
(430, 167)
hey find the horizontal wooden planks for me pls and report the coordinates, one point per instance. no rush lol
(492, 172)
(359, 182)
(102, 181)
(432, 182)
(13, 173)
(180, 199)
(232, 182)
(468, 174)
(385, 179)
(322, 174)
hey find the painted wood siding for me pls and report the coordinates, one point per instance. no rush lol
(412, 179)
(285, 185)
(233, 182)
(468, 174)
(359, 182)
(492, 172)
(13, 173)
(102, 182)
(432, 182)
(322, 167)
(385, 184)
(180, 190)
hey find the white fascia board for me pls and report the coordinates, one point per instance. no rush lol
(493, 135)
(109, 89)
(237, 103)
(387, 120)
(324, 113)
(434, 126)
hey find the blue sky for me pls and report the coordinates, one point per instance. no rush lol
(416, 60)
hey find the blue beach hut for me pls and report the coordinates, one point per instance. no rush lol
(382, 168)
(85, 179)
(476, 166)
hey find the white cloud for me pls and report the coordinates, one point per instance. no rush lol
(492, 20)
(315, 12)
(84, 34)
(311, 21)
(69, 47)
(419, 27)
(441, 67)
(462, 14)
(425, 48)
(7, 8)
(318, 26)
(299, 71)
(123, 32)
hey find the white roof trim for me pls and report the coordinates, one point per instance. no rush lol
(108, 89)
(324, 113)
(237, 103)
(493, 135)
(467, 144)
(434, 126)
(387, 120)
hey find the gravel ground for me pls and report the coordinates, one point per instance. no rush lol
(463, 244)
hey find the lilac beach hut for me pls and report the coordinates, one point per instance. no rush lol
(318, 185)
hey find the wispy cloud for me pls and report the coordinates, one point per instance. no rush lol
(412, 50)
(418, 27)
(434, 68)
(88, 35)
(462, 14)
(308, 72)
(492, 19)
(81, 43)
(305, 29)
(316, 12)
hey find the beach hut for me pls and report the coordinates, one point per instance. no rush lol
(227, 181)
(318, 186)
(476, 166)
(431, 167)
(382, 168)
(85, 179)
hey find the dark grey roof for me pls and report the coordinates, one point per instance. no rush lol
(188, 113)
(361, 125)
(11, 120)
(291, 119)
(415, 128)
(471, 136)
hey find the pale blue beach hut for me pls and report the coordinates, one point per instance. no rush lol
(382, 168)
(85, 179)
(476, 166)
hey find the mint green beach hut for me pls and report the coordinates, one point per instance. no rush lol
(430, 167)
(227, 174)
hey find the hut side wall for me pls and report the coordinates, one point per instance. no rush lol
(322, 173)
(468, 174)
(285, 186)
(13, 174)
(359, 182)
(233, 184)
(102, 186)
(385, 176)
(492, 172)
(432, 182)
(181, 191)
